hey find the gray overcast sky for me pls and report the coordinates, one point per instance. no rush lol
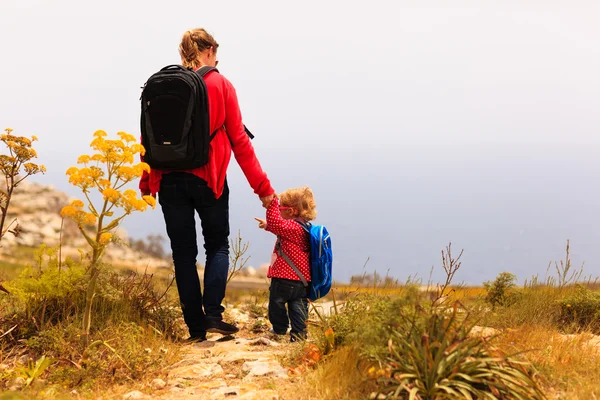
(415, 122)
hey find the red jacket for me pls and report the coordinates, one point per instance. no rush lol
(294, 243)
(223, 110)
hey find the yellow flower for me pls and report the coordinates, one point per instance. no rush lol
(140, 205)
(83, 159)
(99, 133)
(104, 183)
(68, 211)
(34, 138)
(126, 173)
(129, 193)
(77, 203)
(127, 156)
(150, 200)
(140, 168)
(105, 238)
(72, 170)
(137, 148)
(89, 219)
(98, 157)
(111, 194)
(126, 137)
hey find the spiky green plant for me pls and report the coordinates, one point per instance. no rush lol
(437, 359)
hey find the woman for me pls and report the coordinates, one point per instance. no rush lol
(204, 190)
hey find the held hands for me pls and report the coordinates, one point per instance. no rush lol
(262, 224)
(266, 201)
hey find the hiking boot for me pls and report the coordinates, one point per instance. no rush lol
(196, 338)
(216, 326)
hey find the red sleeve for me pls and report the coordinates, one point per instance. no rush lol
(286, 228)
(241, 145)
(145, 183)
(145, 179)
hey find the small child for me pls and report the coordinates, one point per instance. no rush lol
(297, 206)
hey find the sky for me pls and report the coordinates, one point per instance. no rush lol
(416, 123)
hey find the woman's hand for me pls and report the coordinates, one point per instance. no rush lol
(266, 201)
(262, 224)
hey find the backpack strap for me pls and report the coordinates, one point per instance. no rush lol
(305, 225)
(205, 69)
(202, 71)
(290, 262)
(250, 135)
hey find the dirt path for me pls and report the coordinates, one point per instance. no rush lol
(244, 367)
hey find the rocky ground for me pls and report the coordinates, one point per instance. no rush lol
(252, 365)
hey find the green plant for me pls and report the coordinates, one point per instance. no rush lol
(436, 359)
(107, 171)
(48, 292)
(581, 309)
(20, 154)
(501, 292)
(33, 371)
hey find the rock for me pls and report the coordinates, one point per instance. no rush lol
(23, 360)
(260, 395)
(212, 385)
(483, 332)
(196, 371)
(238, 316)
(244, 355)
(262, 271)
(225, 392)
(136, 394)
(37, 207)
(248, 387)
(158, 383)
(264, 368)
(263, 341)
(16, 384)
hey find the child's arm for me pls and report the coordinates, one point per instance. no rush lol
(277, 225)
(262, 224)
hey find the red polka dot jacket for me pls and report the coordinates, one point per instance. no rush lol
(294, 243)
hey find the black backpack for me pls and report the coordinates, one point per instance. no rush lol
(175, 125)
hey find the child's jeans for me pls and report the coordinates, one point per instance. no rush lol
(294, 294)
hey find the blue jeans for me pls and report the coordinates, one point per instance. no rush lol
(182, 195)
(294, 294)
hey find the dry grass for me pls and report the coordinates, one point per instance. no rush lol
(337, 377)
(569, 365)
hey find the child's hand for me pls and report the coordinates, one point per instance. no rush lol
(262, 224)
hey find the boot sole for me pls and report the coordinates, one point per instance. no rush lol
(221, 331)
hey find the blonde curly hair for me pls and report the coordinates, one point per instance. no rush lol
(301, 199)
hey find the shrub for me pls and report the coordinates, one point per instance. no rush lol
(581, 310)
(437, 359)
(501, 292)
(51, 294)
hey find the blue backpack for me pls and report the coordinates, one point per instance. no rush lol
(321, 259)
